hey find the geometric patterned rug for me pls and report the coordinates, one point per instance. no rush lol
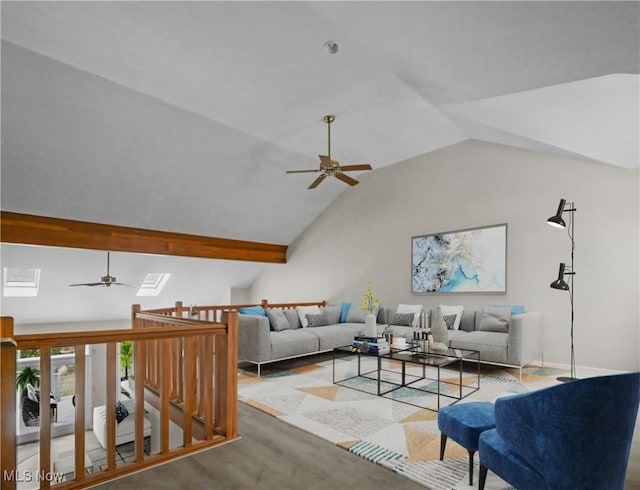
(398, 436)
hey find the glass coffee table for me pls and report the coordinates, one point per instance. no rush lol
(423, 378)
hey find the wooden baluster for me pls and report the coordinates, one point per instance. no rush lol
(80, 376)
(206, 381)
(190, 374)
(110, 406)
(8, 396)
(45, 415)
(139, 359)
(165, 386)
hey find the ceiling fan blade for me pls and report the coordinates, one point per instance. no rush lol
(123, 284)
(88, 284)
(351, 168)
(346, 179)
(316, 182)
(325, 161)
(302, 171)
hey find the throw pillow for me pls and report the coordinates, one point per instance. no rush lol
(415, 309)
(318, 320)
(277, 320)
(253, 310)
(303, 311)
(356, 315)
(293, 318)
(121, 412)
(449, 321)
(333, 314)
(453, 310)
(495, 319)
(402, 319)
(344, 311)
(515, 309)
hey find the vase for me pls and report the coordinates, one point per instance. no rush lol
(370, 327)
(439, 328)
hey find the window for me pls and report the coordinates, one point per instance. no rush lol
(19, 281)
(153, 283)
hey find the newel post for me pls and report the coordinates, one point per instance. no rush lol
(135, 322)
(8, 397)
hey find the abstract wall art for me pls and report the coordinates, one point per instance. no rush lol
(463, 261)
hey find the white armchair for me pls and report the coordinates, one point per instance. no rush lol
(125, 430)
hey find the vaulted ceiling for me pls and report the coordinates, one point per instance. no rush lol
(184, 116)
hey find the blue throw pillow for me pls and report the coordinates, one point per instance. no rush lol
(253, 310)
(515, 309)
(121, 412)
(344, 311)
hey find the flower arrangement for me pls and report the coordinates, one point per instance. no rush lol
(369, 303)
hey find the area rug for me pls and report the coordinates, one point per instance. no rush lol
(398, 436)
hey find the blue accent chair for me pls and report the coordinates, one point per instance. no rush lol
(569, 436)
(464, 423)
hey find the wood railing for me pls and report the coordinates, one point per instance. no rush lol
(190, 362)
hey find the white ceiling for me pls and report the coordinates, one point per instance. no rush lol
(184, 116)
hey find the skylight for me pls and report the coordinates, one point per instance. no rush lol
(153, 283)
(19, 281)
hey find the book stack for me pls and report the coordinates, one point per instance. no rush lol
(371, 345)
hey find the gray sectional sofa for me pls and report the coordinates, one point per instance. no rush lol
(259, 344)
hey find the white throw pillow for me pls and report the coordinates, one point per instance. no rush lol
(415, 309)
(453, 310)
(302, 313)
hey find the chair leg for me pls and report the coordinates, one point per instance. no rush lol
(443, 444)
(471, 453)
(483, 477)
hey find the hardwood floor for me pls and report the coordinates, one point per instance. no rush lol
(270, 455)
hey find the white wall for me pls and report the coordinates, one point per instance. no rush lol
(365, 234)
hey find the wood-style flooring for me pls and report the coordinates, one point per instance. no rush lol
(270, 455)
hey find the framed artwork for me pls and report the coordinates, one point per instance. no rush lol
(462, 261)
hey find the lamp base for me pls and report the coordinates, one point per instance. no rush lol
(565, 379)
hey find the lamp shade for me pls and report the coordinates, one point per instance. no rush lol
(556, 220)
(560, 282)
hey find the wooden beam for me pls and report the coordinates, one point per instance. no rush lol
(29, 229)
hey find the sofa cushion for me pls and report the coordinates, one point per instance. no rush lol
(290, 343)
(333, 314)
(468, 321)
(402, 319)
(344, 312)
(415, 309)
(492, 345)
(357, 315)
(495, 319)
(253, 310)
(449, 321)
(317, 320)
(332, 336)
(292, 318)
(302, 313)
(515, 309)
(453, 310)
(277, 319)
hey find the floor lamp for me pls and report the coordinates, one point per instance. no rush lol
(558, 222)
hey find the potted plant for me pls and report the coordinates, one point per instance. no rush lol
(28, 376)
(126, 357)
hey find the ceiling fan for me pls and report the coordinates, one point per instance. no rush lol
(106, 281)
(331, 168)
